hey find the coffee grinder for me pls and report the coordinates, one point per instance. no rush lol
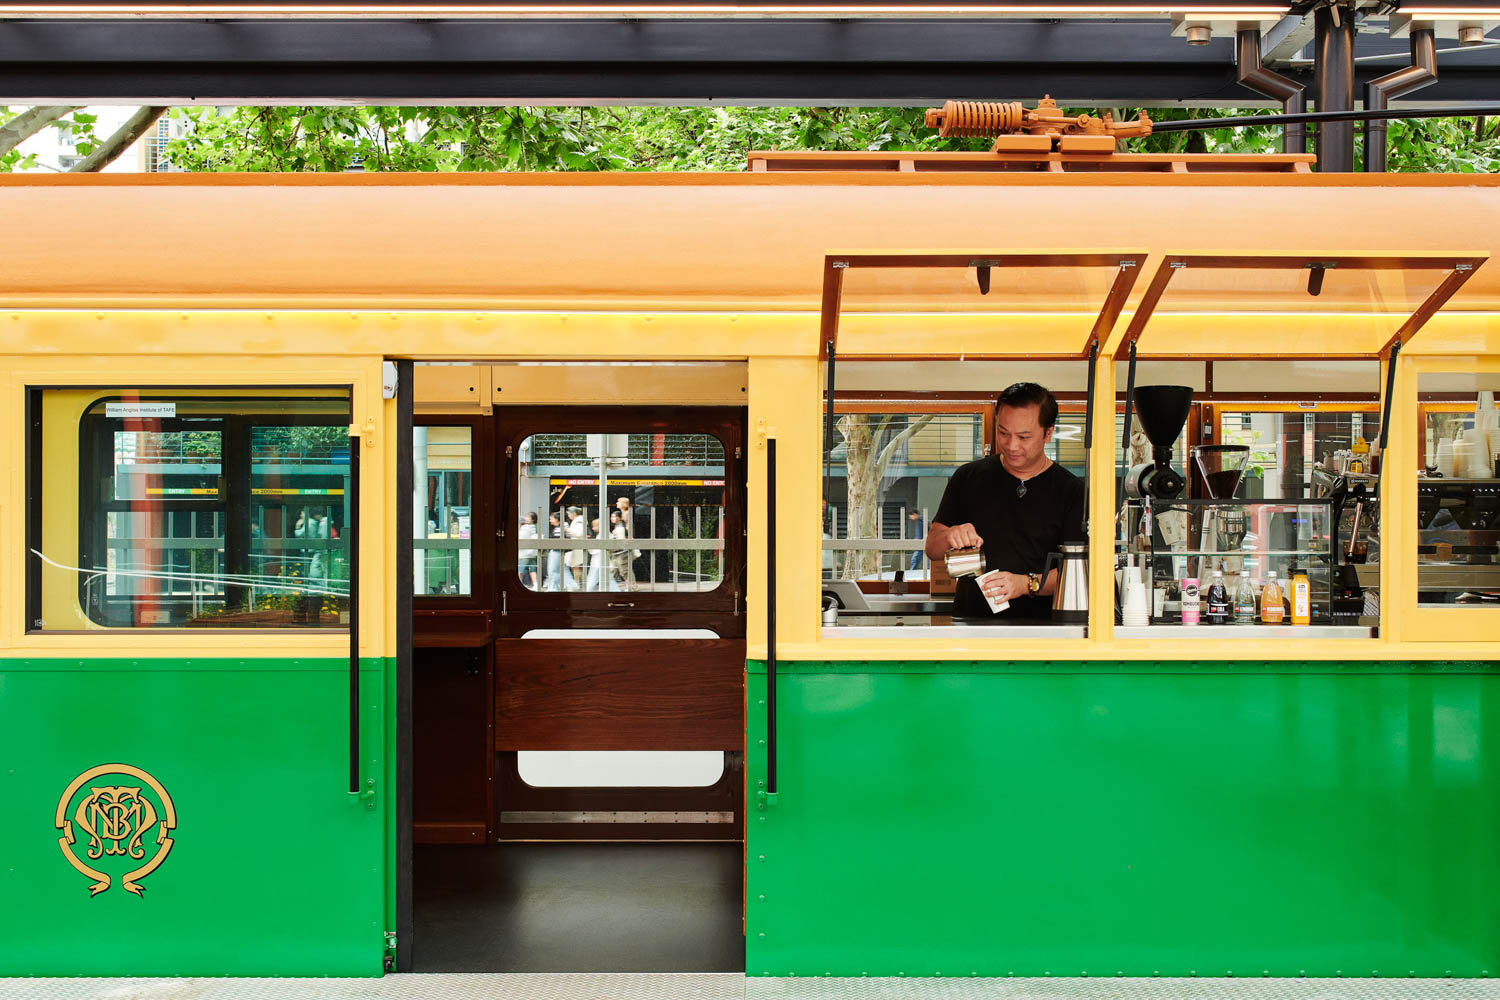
(1163, 412)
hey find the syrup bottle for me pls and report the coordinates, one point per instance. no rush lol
(1218, 600)
(1271, 610)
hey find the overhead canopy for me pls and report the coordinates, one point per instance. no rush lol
(1289, 305)
(1080, 291)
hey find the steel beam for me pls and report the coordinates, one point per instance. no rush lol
(678, 61)
(1096, 63)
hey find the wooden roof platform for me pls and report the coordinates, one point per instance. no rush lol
(772, 161)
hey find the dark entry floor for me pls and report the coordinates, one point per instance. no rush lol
(659, 907)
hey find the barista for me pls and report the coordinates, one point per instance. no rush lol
(1017, 505)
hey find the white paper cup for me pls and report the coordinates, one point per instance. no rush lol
(997, 604)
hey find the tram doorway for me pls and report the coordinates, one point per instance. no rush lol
(578, 689)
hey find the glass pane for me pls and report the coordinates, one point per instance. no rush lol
(899, 465)
(1286, 448)
(620, 768)
(621, 512)
(1458, 495)
(443, 476)
(190, 508)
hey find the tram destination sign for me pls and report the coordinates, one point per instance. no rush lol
(140, 411)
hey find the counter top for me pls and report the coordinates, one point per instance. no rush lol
(855, 625)
(1248, 632)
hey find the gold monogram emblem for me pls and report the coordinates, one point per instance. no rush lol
(118, 820)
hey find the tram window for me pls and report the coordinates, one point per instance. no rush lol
(621, 512)
(902, 462)
(444, 466)
(1458, 494)
(173, 508)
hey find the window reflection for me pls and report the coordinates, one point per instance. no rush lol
(1458, 494)
(192, 509)
(443, 471)
(621, 512)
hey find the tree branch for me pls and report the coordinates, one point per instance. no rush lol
(29, 122)
(890, 449)
(123, 138)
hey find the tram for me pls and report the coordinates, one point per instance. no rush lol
(398, 571)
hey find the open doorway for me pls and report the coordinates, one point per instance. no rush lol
(578, 689)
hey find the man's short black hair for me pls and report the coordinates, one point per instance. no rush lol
(1031, 394)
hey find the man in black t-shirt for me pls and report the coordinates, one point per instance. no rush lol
(1017, 504)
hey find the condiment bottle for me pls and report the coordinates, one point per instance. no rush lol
(1271, 611)
(1301, 596)
(1244, 602)
(1218, 600)
(1190, 607)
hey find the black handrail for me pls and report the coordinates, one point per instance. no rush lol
(351, 536)
(771, 614)
(1306, 117)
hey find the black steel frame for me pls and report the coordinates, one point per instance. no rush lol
(1099, 61)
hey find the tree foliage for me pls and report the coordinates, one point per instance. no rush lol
(519, 138)
(688, 138)
(293, 139)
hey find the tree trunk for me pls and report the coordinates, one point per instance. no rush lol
(29, 122)
(864, 468)
(123, 138)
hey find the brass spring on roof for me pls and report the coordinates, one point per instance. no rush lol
(976, 118)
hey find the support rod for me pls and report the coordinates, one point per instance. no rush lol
(828, 425)
(1292, 95)
(1379, 92)
(1129, 405)
(1333, 79)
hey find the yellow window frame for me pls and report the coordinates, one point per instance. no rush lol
(1413, 622)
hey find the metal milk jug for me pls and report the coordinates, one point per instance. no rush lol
(1070, 602)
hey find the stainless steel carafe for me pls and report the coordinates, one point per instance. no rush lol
(1070, 602)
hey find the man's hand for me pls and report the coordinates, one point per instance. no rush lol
(963, 536)
(1006, 586)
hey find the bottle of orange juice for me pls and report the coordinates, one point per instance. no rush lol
(1301, 594)
(1271, 611)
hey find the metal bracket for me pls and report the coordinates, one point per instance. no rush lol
(389, 380)
(764, 798)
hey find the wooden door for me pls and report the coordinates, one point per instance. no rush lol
(624, 634)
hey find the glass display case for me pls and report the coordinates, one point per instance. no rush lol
(1167, 542)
